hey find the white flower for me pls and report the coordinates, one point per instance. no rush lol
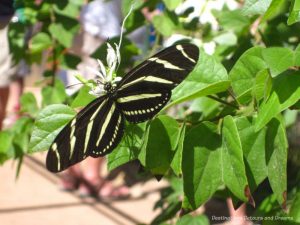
(118, 53)
(102, 69)
(97, 72)
(97, 91)
(113, 59)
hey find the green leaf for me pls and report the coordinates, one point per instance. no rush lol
(29, 103)
(228, 38)
(61, 34)
(207, 106)
(297, 56)
(233, 20)
(69, 61)
(48, 124)
(20, 143)
(172, 4)
(290, 117)
(83, 98)
(162, 141)
(168, 213)
(31, 14)
(176, 163)
(243, 74)
(294, 13)
(256, 7)
(275, 8)
(276, 159)
(164, 24)
(267, 205)
(263, 85)
(208, 77)
(70, 10)
(253, 145)
(20, 133)
(54, 94)
(193, 220)
(234, 173)
(6, 138)
(40, 42)
(267, 111)
(16, 39)
(295, 208)
(129, 147)
(285, 93)
(201, 164)
(278, 59)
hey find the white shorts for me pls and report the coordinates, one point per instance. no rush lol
(7, 69)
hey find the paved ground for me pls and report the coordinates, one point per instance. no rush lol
(35, 199)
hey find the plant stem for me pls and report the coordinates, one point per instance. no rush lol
(222, 101)
(54, 45)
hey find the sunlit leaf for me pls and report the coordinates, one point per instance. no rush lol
(276, 159)
(48, 124)
(208, 77)
(234, 173)
(201, 164)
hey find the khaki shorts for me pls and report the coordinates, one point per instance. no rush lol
(7, 69)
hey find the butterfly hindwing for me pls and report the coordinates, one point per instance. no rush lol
(95, 131)
(107, 130)
(69, 147)
(140, 106)
(144, 91)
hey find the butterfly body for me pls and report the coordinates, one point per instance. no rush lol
(109, 88)
(98, 128)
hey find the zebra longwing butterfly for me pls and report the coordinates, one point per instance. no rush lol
(98, 128)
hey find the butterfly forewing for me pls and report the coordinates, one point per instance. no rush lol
(144, 91)
(171, 65)
(78, 139)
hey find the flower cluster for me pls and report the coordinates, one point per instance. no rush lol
(113, 60)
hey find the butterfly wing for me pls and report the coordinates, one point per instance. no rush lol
(142, 93)
(145, 90)
(94, 131)
(107, 131)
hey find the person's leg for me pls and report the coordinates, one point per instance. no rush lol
(5, 71)
(4, 91)
(16, 88)
(91, 181)
(92, 170)
(94, 184)
(239, 216)
(15, 91)
(71, 178)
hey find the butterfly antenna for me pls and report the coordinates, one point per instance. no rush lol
(100, 82)
(72, 85)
